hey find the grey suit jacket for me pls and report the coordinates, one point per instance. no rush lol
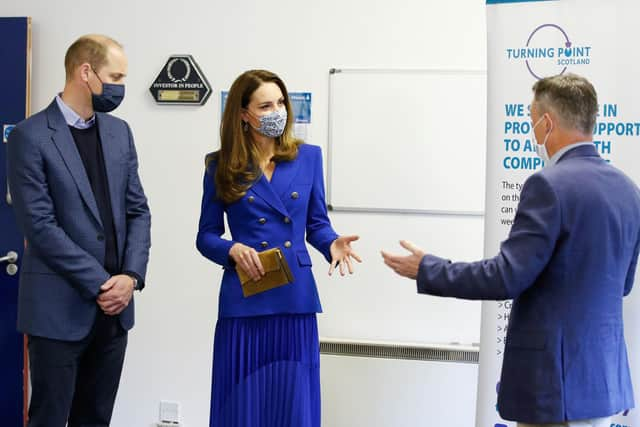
(62, 269)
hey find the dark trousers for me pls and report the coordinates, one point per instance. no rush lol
(77, 381)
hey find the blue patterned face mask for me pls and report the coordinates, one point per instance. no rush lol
(272, 124)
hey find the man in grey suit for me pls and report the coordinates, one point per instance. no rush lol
(79, 202)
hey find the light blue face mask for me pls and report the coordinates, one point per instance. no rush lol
(541, 149)
(273, 124)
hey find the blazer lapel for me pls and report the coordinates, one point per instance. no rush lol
(63, 140)
(275, 191)
(265, 190)
(283, 176)
(113, 159)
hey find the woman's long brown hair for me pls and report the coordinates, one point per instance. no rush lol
(237, 161)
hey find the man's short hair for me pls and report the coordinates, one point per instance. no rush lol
(572, 98)
(92, 49)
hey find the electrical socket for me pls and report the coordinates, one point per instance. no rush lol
(169, 413)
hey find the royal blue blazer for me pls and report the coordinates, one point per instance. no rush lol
(280, 213)
(569, 259)
(62, 268)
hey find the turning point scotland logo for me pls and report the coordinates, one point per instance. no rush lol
(549, 51)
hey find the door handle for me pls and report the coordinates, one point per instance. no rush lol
(8, 197)
(11, 257)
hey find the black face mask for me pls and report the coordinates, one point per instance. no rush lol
(111, 96)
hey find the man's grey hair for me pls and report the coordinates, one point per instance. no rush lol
(571, 98)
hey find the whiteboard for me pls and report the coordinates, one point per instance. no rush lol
(375, 304)
(407, 141)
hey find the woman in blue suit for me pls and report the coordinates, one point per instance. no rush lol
(270, 185)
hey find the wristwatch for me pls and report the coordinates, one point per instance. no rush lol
(135, 282)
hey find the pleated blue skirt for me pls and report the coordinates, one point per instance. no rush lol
(266, 372)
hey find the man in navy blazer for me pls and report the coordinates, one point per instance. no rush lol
(569, 259)
(73, 172)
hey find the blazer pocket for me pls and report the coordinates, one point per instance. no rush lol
(304, 260)
(531, 371)
(527, 340)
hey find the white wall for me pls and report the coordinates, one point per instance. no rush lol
(367, 392)
(169, 354)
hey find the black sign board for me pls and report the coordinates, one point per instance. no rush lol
(181, 82)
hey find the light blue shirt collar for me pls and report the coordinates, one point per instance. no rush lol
(554, 159)
(72, 118)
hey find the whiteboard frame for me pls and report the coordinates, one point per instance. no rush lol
(331, 206)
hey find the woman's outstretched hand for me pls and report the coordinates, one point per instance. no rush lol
(341, 254)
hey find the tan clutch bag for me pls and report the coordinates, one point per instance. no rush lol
(276, 271)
